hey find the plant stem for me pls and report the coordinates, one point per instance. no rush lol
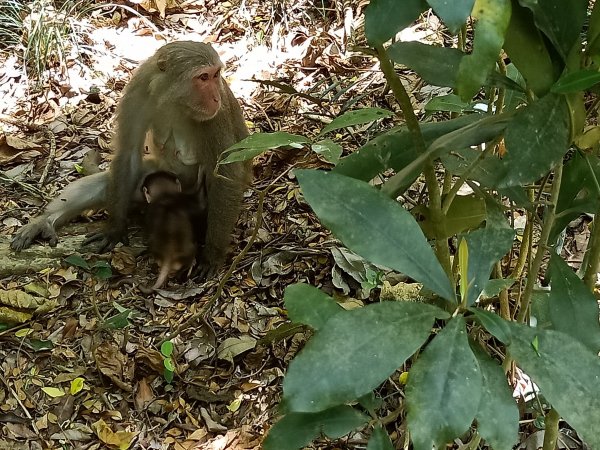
(591, 271)
(551, 429)
(433, 187)
(594, 243)
(532, 275)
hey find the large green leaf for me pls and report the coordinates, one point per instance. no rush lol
(527, 50)
(567, 373)
(498, 415)
(308, 305)
(380, 440)
(374, 226)
(295, 430)
(578, 190)
(466, 212)
(328, 150)
(356, 117)
(560, 21)
(593, 36)
(514, 98)
(447, 103)
(496, 325)
(258, 143)
(536, 140)
(476, 133)
(436, 65)
(384, 18)
(395, 149)
(355, 353)
(444, 388)
(486, 247)
(492, 17)
(576, 81)
(572, 306)
(454, 13)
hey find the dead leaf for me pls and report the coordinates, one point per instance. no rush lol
(21, 300)
(143, 396)
(20, 431)
(232, 347)
(118, 439)
(123, 260)
(8, 315)
(13, 149)
(115, 365)
(150, 357)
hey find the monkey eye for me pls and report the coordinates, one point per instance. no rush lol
(218, 73)
(203, 76)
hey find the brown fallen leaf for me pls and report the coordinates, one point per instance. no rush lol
(113, 364)
(115, 439)
(15, 149)
(150, 357)
(143, 396)
(123, 260)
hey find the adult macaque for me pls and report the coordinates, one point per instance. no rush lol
(175, 224)
(179, 101)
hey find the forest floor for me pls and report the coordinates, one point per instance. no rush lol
(80, 355)
(81, 362)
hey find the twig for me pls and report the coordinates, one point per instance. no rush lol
(51, 155)
(533, 273)
(25, 186)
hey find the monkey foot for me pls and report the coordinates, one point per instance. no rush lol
(30, 232)
(103, 241)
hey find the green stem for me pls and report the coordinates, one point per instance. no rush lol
(532, 275)
(551, 429)
(593, 255)
(456, 187)
(433, 187)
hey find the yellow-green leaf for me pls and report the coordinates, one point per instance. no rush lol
(76, 385)
(53, 392)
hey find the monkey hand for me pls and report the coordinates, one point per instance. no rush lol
(40, 227)
(205, 270)
(104, 241)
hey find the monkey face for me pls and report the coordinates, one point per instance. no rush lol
(206, 89)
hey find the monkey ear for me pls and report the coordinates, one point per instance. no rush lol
(147, 195)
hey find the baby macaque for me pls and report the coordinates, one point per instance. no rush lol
(175, 223)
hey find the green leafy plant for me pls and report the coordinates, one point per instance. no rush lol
(512, 156)
(166, 349)
(98, 269)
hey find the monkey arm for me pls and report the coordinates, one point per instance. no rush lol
(86, 193)
(127, 168)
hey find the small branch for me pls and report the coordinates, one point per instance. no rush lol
(433, 187)
(532, 275)
(51, 155)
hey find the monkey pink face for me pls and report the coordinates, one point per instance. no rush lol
(207, 91)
